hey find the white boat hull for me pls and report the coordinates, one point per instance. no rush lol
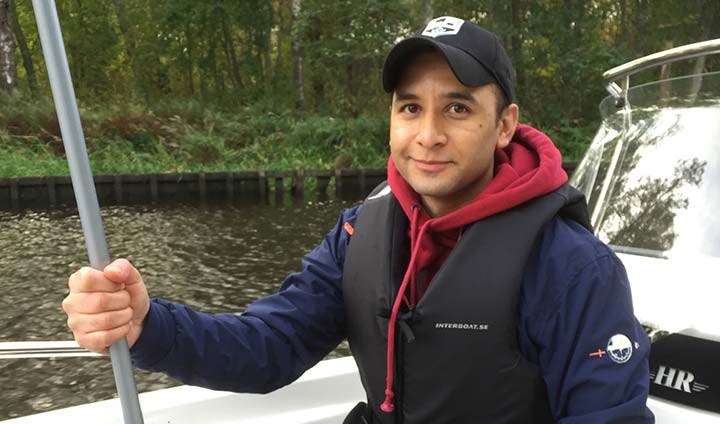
(323, 395)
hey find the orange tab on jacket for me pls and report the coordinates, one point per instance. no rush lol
(349, 228)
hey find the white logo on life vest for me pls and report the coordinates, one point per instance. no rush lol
(446, 25)
(677, 379)
(461, 326)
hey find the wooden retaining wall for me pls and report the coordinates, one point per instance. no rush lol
(242, 187)
(255, 187)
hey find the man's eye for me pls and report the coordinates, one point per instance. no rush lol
(458, 108)
(410, 108)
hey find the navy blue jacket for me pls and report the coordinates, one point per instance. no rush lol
(575, 298)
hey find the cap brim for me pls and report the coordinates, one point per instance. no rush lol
(467, 70)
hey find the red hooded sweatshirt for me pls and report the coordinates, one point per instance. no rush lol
(529, 167)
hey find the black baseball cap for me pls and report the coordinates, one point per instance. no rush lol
(474, 54)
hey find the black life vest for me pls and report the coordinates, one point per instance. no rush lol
(457, 354)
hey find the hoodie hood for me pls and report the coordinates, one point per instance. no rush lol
(529, 167)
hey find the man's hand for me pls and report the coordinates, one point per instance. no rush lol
(105, 306)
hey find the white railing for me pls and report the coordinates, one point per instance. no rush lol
(43, 349)
(625, 70)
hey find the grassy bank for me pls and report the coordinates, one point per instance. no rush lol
(188, 137)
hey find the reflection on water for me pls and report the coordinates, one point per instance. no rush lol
(217, 259)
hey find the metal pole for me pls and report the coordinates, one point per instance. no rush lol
(83, 185)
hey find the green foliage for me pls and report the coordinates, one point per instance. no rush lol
(181, 84)
(345, 43)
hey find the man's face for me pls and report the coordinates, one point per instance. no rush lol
(443, 134)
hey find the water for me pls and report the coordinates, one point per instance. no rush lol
(216, 259)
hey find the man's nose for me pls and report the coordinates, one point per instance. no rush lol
(431, 132)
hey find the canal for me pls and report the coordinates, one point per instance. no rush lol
(214, 258)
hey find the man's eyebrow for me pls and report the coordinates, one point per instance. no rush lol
(459, 95)
(402, 96)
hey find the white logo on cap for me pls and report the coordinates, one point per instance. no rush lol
(620, 348)
(446, 25)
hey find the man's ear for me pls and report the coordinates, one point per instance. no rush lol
(507, 124)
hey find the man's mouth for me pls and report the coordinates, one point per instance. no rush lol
(431, 165)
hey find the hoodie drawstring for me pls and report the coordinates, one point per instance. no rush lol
(414, 218)
(387, 405)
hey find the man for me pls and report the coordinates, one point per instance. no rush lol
(468, 286)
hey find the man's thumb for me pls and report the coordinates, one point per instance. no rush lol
(122, 271)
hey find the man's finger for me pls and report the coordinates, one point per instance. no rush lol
(88, 323)
(94, 303)
(91, 280)
(99, 341)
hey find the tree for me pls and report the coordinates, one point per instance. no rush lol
(24, 49)
(298, 73)
(8, 70)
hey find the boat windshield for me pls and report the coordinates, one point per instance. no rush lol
(652, 173)
(652, 181)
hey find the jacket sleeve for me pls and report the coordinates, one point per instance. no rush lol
(591, 350)
(266, 347)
